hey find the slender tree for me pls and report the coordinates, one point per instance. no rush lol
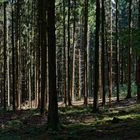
(8, 69)
(17, 42)
(103, 52)
(38, 49)
(110, 53)
(117, 53)
(64, 52)
(5, 56)
(68, 55)
(73, 53)
(85, 52)
(42, 13)
(129, 48)
(96, 84)
(13, 57)
(138, 64)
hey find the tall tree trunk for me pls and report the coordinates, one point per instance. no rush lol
(53, 119)
(90, 64)
(42, 13)
(17, 52)
(96, 83)
(30, 55)
(110, 55)
(85, 52)
(17, 40)
(5, 56)
(80, 66)
(13, 58)
(64, 52)
(117, 53)
(129, 49)
(138, 79)
(68, 55)
(138, 65)
(8, 71)
(73, 52)
(103, 52)
(38, 49)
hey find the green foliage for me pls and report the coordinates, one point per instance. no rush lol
(74, 110)
(1, 1)
(13, 123)
(123, 90)
(91, 19)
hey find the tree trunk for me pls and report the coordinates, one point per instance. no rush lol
(38, 49)
(80, 66)
(122, 64)
(13, 58)
(110, 56)
(85, 52)
(117, 53)
(8, 71)
(96, 83)
(129, 50)
(73, 57)
(103, 53)
(5, 55)
(53, 106)
(64, 53)
(138, 79)
(68, 56)
(17, 40)
(42, 13)
(138, 65)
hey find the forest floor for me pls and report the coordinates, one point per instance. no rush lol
(120, 122)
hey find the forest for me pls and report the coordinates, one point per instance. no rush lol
(69, 69)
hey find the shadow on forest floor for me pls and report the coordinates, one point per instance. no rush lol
(120, 122)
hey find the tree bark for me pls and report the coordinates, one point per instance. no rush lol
(96, 83)
(103, 53)
(129, 49)
(5, 55)
(117, 53)
(73, 53)
(42, 13)
(64, 53)
(53, 119)
(85, 52)
(13, 58)
(110, 55)
(138, 65)
(68, 56)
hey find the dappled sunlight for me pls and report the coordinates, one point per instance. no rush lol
(69, 69)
